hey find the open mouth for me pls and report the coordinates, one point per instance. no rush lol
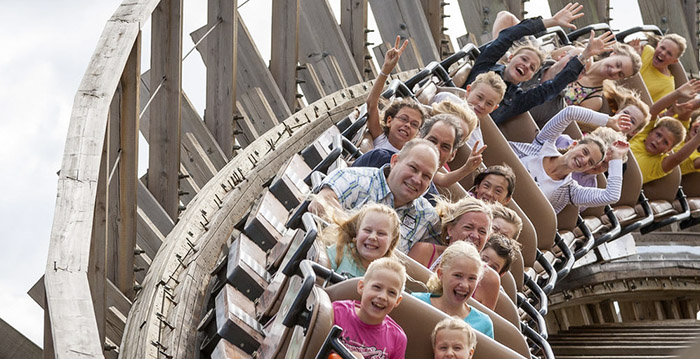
(461, 295)
(658, 59)
(577, 162)
(403, 133)
(378, 306)
(370, 246)
(520, 70)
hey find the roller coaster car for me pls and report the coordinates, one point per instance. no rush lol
(407, 315)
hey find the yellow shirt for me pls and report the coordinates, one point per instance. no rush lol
(649, 164)
(658, 84)
(688, 165)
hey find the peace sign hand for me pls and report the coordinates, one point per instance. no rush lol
(475, 158)
(391, 58)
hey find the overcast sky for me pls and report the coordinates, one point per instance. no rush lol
(46, 45)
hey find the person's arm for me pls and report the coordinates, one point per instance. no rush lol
(687, 90)
(558, 123)
(549, 89)
(448, 179)
(594, 197)
(391, 58)
(421, 253)
(488, 289)
(499, 46)
(674, 159)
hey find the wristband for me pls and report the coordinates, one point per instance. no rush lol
(382, 73)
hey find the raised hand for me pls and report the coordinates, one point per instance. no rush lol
(600, 44)
(475, 158)
(636, 45)
(566, 16)
(690, 88)
(619, 149)
(620, 122)
(391, 58)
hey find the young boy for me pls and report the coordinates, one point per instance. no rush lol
(484, 95)
(499, 253)
(652, 146)
(655, 62)
(496, 184)
(367, 327)
(692, 163)
(506, 221)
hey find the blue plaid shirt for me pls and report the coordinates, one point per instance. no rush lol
(356, 186)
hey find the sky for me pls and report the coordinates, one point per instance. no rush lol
(46, 46)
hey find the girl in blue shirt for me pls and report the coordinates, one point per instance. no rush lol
(454, 282)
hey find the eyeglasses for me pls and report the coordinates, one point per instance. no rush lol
(404, 119)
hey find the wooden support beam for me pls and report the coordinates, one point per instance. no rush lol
(259, 111)
(285, 48)
(190, 122)
(251, 73)
(97, 263)
(245, 129)
(128, 170)
(195, 160)
(353, 23)
(14, 344)
(311, 85)
(406, 19)
(188, 187)
(479, 15)
(670, 16)
(433, 13)
(221, 47)
(595, 11)
(155, 212)
(321, 77)
(164, 129)
(320, 36)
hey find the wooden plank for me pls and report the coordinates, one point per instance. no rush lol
(433, 14)
(479, 15)
(405, 18)
(155, 212)
(252, 73)
(97, 272)
(14, 344)
(320, 36)
(259, 112)
(310, 83)
(112, 178)
(148, 237)
(115, 298)
(128, 169)
(191, 122)
(323, 71)
(245, 130)
(195, 160)
(164, 124)
(353, 23)
(188, 187)
(690, 9)
(221, 47)
(595, 11)
(670, 18)
(285, 49)
(71, 324)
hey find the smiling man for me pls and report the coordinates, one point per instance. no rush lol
(399, 184)
(444, 131)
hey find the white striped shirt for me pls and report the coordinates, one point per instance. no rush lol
(570, 191)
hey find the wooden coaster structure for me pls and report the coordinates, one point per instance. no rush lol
(130, 258)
